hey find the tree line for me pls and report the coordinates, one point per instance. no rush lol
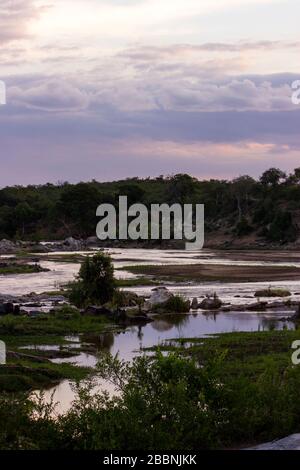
(268, 206)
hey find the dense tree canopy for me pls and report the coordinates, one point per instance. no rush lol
(268, 206)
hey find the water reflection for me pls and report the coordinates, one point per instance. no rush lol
(128, 343)
(169, 321)
(102, 342)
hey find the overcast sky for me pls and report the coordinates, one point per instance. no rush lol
(109, 89)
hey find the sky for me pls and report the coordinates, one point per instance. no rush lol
(110, 89)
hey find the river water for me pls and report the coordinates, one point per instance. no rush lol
(167, 327)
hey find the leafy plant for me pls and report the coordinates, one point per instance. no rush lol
(95, 283)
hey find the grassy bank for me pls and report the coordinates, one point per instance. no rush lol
(141, 281)
(13, 328)
(247, 354)
(25, 375)
(31, 369)
(15, 268)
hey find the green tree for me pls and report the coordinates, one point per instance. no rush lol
(76, 209)
(23, 215)
(282, 228)
(297, 174)
(182, 189)
(294, 178)
(95, 283)
(134, 193)
(241, 188)
(272, 177)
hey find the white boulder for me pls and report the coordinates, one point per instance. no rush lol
(159, 296)
(287, 443)
(73, 244)
(6, 246)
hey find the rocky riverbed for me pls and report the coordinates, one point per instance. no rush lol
(213, 307)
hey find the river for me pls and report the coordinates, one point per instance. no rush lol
(130, 342)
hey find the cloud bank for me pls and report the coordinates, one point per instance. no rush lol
(119, 89)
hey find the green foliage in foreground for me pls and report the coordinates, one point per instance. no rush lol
(241, 395)
(167, 402)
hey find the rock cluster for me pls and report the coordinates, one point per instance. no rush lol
(288, 443)
(209, 303)
(8, 308)
(159, 296)
(7, 247)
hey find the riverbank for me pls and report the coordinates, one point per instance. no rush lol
(37, 326)
(214, 241)
(35, 342)
(53, 353)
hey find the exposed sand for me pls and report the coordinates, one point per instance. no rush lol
(220, 272)
(260, 255)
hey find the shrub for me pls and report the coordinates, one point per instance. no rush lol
(67, 311)
(273, 293)
(175, 304)
(164, 403)
(95, 283)
(282, 228)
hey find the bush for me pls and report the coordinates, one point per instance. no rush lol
(273, 293)
(175, 304)
(67, 311)
(282, 228)
(124, 298)
(164, 403)
(95, 283)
